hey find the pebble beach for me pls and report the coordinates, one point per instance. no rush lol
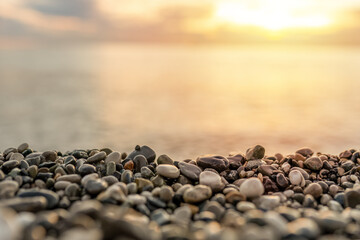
(99, 194)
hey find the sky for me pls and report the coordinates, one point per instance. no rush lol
(27, 22)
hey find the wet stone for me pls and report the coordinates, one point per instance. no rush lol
(306, 152)
(281, 180)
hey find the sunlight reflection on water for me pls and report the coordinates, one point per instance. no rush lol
(181, 100)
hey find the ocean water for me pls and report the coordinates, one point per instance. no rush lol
(184, 101)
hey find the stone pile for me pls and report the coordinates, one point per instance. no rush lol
(103, 194)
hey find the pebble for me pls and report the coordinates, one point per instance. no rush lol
(86, 169)
(190, 171)
(352, 198)
(219, 163)
(52, 198)
(29, 204)
(96, 157)
(245, 206)
(102, 194)
(314, 163)
(113, 157)
(252, 188)
(296, 178)
(95, 186)
(197, 194)
(164, 159)
(168, 171)
(256, 152)
(313, 189)
(213, 180)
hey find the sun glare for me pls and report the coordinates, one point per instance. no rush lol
(270, 17)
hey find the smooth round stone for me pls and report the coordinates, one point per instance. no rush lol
(213, 180)
(313, 189)
(296, 178)
(190, 171)
(126, 176)
(96, 157)
(136, 199)
(253, 164)
(113, 157)
(139, 162)
(51, 197)
(304, 227)
(155, 202)
(160, 216)
(252, 188)
(305, 151)
(144, 184)
(216, 208)
(168, 171)
(182, 215)
(8, 165)
(30, 204)
(50, 156)
(33, 170)
(352, 198)
(8, 188)
(268, 202)
(146, 172)
(73, 178)
(129, 165)
(266, 170)
(86, 178)
(86, 169)
(234, 197)
(131, 188)
(145, 151)
(111, 180)
(16, 156)
(313, 163)
(158, 181)
(197, 194)
(61, 185)
(96, 186)
(245, 206)
(22, 147)
(281, 180)
(72, 191)
(164, 159)
(166, 193)
(219, 163)
(256, 152)
(110, 168)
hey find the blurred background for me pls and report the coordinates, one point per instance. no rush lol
(184, 77)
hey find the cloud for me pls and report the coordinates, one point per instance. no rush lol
(73, 8)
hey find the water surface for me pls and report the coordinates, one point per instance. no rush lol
(181, 100)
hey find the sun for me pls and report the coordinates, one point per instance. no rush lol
(271, 17)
